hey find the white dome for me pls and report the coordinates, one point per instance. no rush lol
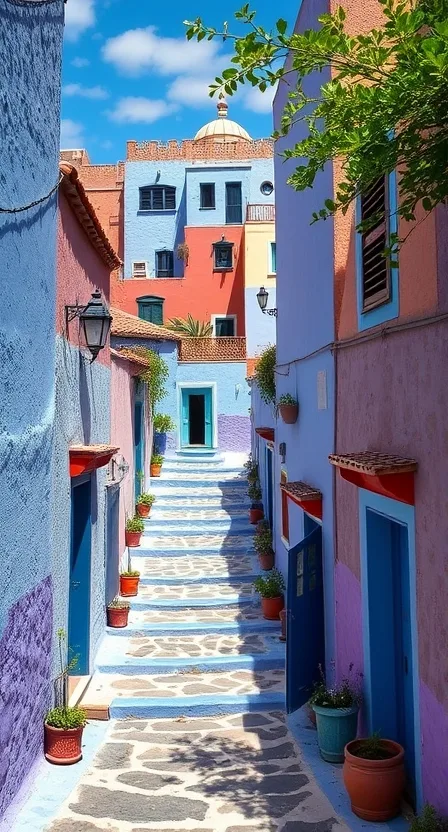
(221, 129)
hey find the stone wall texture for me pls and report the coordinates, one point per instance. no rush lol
(190, 150)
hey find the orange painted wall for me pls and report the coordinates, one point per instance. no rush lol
(201, 292)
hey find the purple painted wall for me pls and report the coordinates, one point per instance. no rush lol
(25, 687)
(234, 433)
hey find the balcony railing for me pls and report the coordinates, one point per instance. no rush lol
(260, 213)
(213, 349)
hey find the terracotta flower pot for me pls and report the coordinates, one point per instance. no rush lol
(311, 715)
(375, 787)
(142, 509)
(289, 413)
(62, 746)
(266, 560)
(283, 619)
(255, 515)
(117, 617)
(132, 539)
(128, 585)
(155, 470)
(272, 607)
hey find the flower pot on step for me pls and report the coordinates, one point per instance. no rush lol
(272, 607)
(256, 514)
(155, 470)
(335, 728)
(159, 443)
(132, 539)
(375, 787)
(117, 617)
(128, 585)
(142, 509)
(266, 560)
(62, 746)
(289, 413)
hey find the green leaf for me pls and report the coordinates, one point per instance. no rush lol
(282, 26)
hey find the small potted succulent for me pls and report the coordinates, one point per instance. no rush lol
(263, 545)
(251, 469)
(117, 613)
(156, 465)
(336, 710)
(134, 530)
(271, 587)
(288, 408)
(256, 506)
(129, 581)
(144, 503)
(374, 777)
(64, 725)
(162, 424)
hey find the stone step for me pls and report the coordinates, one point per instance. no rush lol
(184, 479)
(139, 627)
(202, 496)
(178, 515)
(200, 568)
(195, 466)
(178, 546)
(193, 595)
(199, 617)
(192, 693)
(194, 527)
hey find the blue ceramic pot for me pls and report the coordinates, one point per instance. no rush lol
(160, 443)
(335, 728)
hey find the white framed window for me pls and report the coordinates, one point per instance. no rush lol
(224, 326)
(272, 258)
(139, 268)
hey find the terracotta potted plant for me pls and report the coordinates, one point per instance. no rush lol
(374, 777)
(134, 530)
(288, 408)
(129, 581)
(64, 724)
(156, 465)
(271, 587)
(117, 613)
(144, 504)
(162, 424)
(263, 545)
(336, 708)
(256, 506)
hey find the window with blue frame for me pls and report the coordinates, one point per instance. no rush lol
(222, 255)
(377, 279)
(157, 198)
(234, 203)
(273, 258)
(164, 263)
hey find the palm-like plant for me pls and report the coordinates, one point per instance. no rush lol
(191, 327)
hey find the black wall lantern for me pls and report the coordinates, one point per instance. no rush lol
(262, 297)
(95, 320)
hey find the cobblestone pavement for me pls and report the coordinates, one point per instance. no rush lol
(211, 751)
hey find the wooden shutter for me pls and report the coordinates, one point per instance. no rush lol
(158, 198)
(234, 206)
(376, 286)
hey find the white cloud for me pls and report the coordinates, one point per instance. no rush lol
(85, 92)
(259, 102)
(133, 110)
(79, 15)
(71, 134)
(140, 50)
(190, 91)
(80, 63)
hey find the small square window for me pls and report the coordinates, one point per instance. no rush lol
(207, 190)
(139, 269)
(223, 255)
(225, 327)
(164, 263)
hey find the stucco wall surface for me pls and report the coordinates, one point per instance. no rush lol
(258, 237)
(82, 417)
(399, 390)
(260, 328)
(197, 216)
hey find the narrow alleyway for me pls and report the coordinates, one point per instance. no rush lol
(197, 739)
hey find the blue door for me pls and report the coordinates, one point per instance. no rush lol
(80, 578)
(138, 447)
(197, 417)
(269, 488)
(305, 646)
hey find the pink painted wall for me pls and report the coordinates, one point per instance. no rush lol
(122, 433)
(80, 271)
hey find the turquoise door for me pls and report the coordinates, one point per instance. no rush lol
(80, 578)
(197, 417)
(138, 447)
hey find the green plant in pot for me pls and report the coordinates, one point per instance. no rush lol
(265, 374)
(129, 580)
(134, 530)
(64, 724)
(288, 408)
(374, 776)
(162, 424)
(256, 506)
(263, 545)
(336, 710)
(429, 820)
(117, 612)
(144, 504)
(156, 465)
(251, 469)
(271, 587)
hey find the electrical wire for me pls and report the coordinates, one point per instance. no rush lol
(36, 201)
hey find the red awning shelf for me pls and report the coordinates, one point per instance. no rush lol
(85, 458)
(305, 496)
(386, 474)
(266, 433)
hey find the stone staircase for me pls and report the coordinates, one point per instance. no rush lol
(196, 643)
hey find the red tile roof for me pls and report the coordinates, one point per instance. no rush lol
(129, 326)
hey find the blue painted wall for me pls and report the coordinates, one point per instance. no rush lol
(305, 323)
(30, 67)
(260, 328)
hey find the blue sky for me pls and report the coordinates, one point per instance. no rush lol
(129, 73)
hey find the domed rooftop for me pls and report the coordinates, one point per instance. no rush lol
(222, 130)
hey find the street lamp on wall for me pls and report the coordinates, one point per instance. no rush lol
(262, 297)
(95, 320)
